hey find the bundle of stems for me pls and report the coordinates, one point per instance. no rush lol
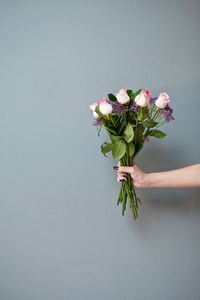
(127, 190)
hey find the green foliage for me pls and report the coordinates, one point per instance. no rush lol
(145, 113)
(128, 133)
(150, 123)
(118, 149)
(109, 130)
(140, 114)
(106, 147)
(137, 93)
(132, 95)
(129, 92)
(138, 148)
(99, 113)
(139, 132)
(112, 98)
(100, 126)
(157, 133)
(131, 149)
(121, 127)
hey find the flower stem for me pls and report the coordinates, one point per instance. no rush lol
(155, 115)
(127, 190)
(161, 123)
(111, 119)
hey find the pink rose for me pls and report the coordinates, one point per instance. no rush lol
(102, 100)
(162, 100)
(105, 107)
(122, 96)
(93, 107)
(143, 98)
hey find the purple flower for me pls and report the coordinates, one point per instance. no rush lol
(97, 122)
(117, 108)
(133, 108)
(167, 113)
(153, 99)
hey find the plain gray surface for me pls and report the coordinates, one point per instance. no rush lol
(62, 235)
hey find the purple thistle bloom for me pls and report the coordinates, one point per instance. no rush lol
(167, 113)
(133, 108)
(117, 108)
(153, 99)
(97, 122)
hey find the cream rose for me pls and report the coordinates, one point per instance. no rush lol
(162, 100)
(104, 107)
(143, 98)
(93, 107)
(122, 96)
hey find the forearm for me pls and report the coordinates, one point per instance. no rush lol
(184, 177)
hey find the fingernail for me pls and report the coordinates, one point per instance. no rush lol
(115, 168)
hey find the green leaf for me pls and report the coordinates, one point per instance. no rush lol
(129, 92)
(106, 147)
(121, 127)
(116, 138)
(157, 133)
(150, 123)
(145, 113)
(128, 133)
(118, 149)
(139, 147)
(137, 93)
(131, 149)
(109, 130)
(140, 114)
(112, 98)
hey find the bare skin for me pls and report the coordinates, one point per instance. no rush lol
(178, 178)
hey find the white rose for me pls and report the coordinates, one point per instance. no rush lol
(143, 98)
(95, 115)
(105, 108)
(122, 96)
(93, 107)
(162, 100)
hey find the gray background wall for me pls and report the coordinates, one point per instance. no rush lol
(62, 235)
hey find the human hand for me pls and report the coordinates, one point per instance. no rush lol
(139, 177)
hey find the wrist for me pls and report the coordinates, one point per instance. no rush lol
(147, 180)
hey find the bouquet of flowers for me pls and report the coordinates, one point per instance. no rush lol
(130, 118)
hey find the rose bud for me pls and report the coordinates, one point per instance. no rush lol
(93, 107)
(143, 98)
(104, 107)
(122, 96)
(162, 100)
(95, 115)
